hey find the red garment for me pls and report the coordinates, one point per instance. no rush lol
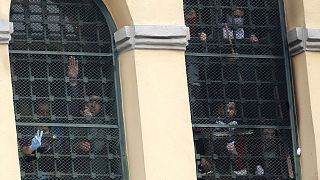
(192, 22)
(240, 147)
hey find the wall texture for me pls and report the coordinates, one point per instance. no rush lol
(9, 163)
(304, 15)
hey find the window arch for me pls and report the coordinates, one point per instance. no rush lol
(65, 84)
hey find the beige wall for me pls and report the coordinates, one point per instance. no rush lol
(305, 13)
(131, 115)
(302, 13)
(4, 9)
(311, 9)
(294, 8)
(146, 12)
(155, 97)
(307, 128)
(157, 115)
(9, 162)
(313, 65)
(119, 12)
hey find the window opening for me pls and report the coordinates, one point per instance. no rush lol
(64, 82)
(238, 90)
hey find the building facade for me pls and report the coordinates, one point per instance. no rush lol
(185, 89)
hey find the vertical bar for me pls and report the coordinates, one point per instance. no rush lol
(289, 76)
(79, 7)
(83, 63)
(103, 84)
(112, 29)
(30, 83)
(43, 5)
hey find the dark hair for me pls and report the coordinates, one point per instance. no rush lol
(95, 98)
(42, 101)
(223, 107)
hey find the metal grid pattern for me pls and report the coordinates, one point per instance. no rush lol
(234, 26)
(70, 26)
(238, 90)
(63, 74)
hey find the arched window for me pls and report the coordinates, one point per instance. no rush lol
(65, 83)
(240, 90)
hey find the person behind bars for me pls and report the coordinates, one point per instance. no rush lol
(45, 142)
(229, 141)
(91, 140)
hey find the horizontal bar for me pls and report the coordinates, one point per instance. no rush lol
(68, 98)
(69, 125)
(60, 53)
(51, 79)
(228, 7)
(240, 126)
(233, 56)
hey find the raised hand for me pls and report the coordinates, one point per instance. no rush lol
(73, 67)
(36, 141)
(231, 148)
(84, 146)
(86, 112)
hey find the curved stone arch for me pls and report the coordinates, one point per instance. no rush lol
(119, 12)
(141, 12)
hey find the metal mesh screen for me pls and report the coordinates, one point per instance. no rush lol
(63, 74)
(238, 91)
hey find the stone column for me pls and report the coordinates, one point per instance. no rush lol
(155, 102)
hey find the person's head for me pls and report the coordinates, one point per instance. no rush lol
(43, 108)
(228, 110)
(238, 12)
(231, 109)
(94, 104)
(191, 13)
(268, 133)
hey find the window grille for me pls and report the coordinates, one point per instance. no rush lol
(238, 90)
(64, 82)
